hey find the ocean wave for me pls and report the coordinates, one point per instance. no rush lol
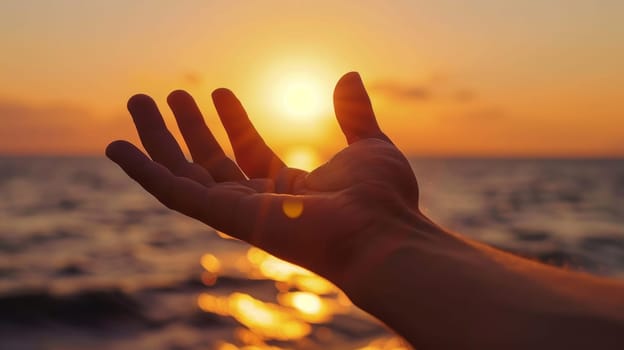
(85, 308)
(113, 305)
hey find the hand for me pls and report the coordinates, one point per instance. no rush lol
(328, 220)
(355, 220)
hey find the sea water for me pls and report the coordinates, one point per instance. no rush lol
(88, 259)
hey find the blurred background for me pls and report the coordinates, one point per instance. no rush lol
(510, 112)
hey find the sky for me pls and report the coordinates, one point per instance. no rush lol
(446, 78)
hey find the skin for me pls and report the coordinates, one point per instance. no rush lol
(361, 228)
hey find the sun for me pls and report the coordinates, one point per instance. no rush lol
(301, 98)
(297, 103)
(302, 157)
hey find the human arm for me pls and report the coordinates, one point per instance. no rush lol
(361, 228)
(444, 291)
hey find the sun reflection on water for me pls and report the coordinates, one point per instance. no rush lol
(225, 236)
(309, 306)
(274, 268)
(210, 263)
(386, 343)
(267, 320)
(304, 307)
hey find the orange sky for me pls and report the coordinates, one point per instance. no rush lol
(453, 78)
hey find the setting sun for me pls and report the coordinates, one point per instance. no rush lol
(317, 175)
(304, 158)
(301, 98)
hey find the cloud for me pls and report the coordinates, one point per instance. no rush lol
(435, 89)
(464, 95)
(487, 113)
(192, 78)
(55, 128)
(38, 119)
(401, 91)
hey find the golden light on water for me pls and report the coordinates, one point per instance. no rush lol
(292, 207)
(280, 270)
(387, 343)
(211, 303)
(304, 158)
(210, 263)
(256, 255)
(292, 275)
(274, 268)
(225, 236)
(251, 339)
(309, 306)
(268, 320)
(305, 303)
(313, 283)
(227, 346)
(209, 278)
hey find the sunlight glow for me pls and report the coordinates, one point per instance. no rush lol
(210, 263)
(304, 158)
(386, 343)
(227, 346)
(309, 306)
(306, 302)
(300, 98)
(225, 236)
(303, 299)
(267, 320)
(314, 284)
(282, 271)
(274, 268)
(292, 208)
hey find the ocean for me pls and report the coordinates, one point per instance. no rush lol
(89, 260)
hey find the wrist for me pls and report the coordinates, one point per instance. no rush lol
(391, 249)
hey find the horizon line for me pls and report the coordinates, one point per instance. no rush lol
(408, 155)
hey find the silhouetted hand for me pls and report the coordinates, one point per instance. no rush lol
(327, 220)
(355, 220)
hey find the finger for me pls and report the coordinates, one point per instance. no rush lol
(203, 146)
(158, 141)
(155, 137)
(214, 207)
(252, 154)
(228, 207)
(354, 110)
(285, 225)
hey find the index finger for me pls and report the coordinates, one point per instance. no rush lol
(154, 135)
(252, 154)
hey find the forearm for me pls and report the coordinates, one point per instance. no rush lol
(441, 291)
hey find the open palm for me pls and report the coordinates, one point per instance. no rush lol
(325, 220)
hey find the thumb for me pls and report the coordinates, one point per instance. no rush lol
(354, 110)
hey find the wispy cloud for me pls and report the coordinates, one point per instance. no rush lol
(55, 128)
(402, 91)
(436, 89)
(464, 95)
(481, 113)
(192, 78)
